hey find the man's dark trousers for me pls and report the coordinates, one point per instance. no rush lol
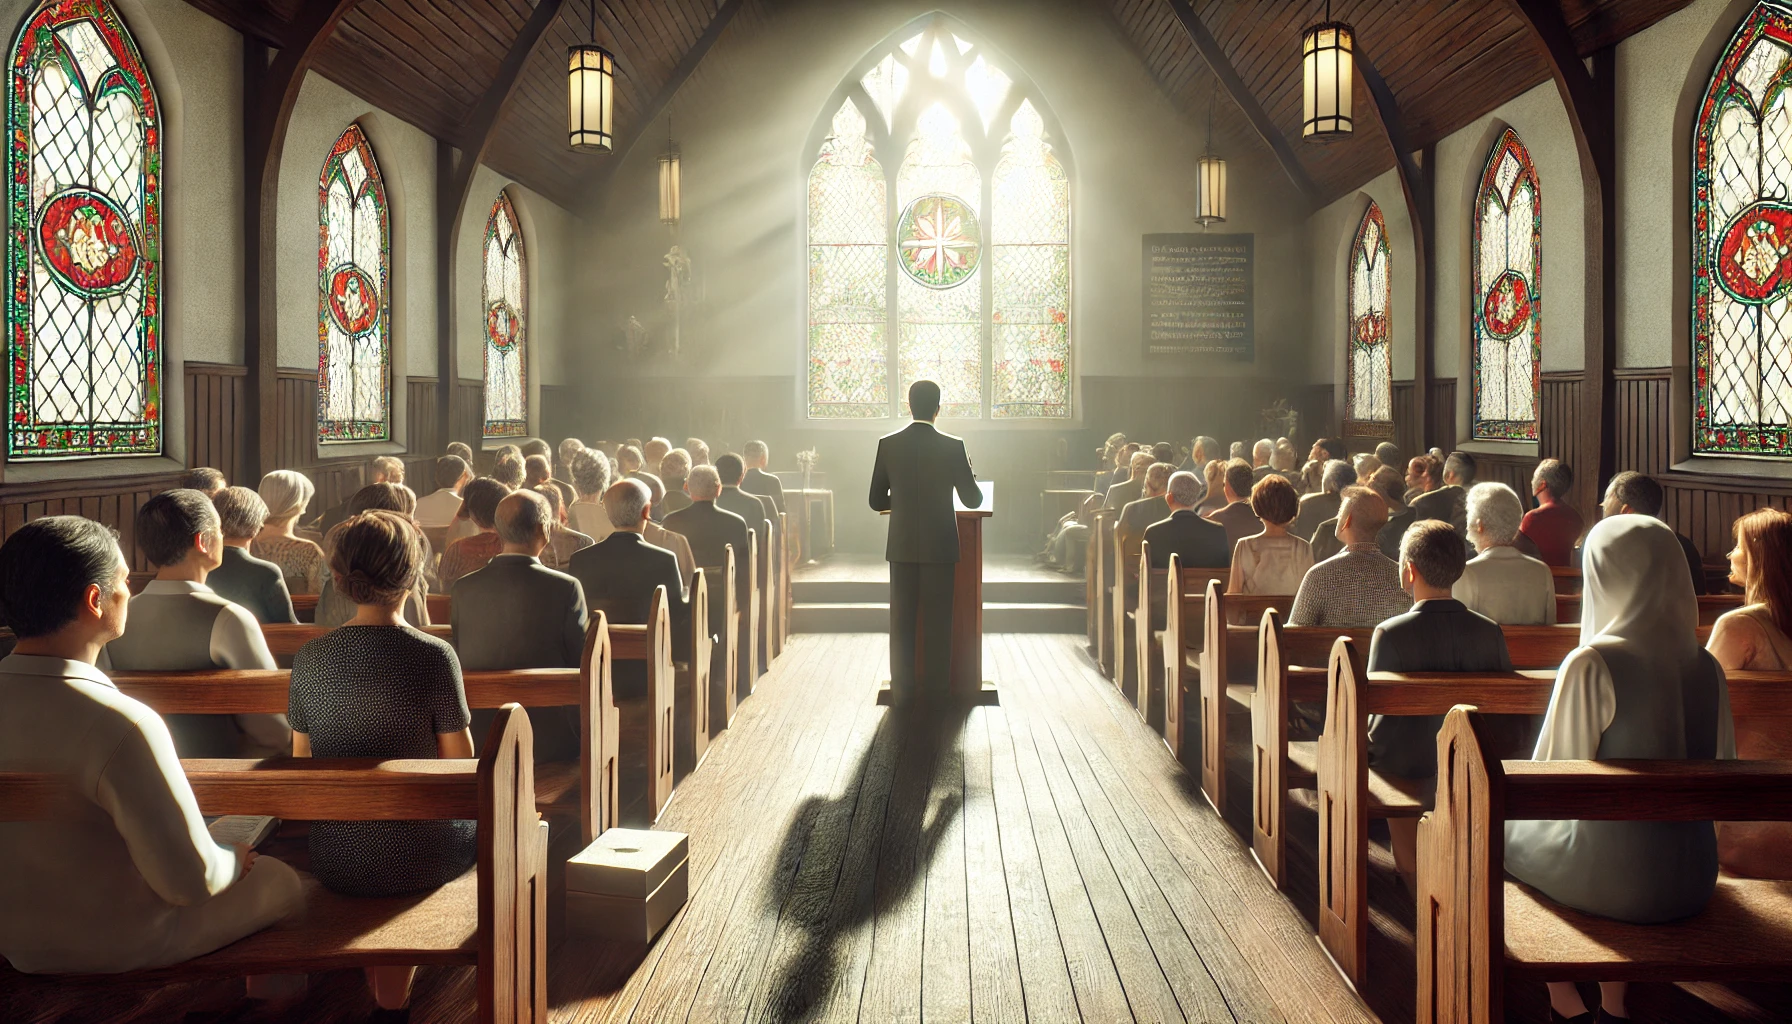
(921, 609)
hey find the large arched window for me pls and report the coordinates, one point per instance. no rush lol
(1369, 350)
(83, 253)
(939, 237)
(1742, 235)
(354, 301)
(1506, 265)
(505, 295)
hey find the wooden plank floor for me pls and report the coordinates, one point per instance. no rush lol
(1044, 860)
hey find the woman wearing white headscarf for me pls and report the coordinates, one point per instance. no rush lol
(1638, 686)
(301, 561)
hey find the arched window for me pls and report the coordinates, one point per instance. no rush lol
(1742, 234)
(84, 247)
(1369, 352)
(934, 163)
(354, 301)
(1506, 265)
(505, 293)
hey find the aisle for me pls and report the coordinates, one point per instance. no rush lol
(1045, 860)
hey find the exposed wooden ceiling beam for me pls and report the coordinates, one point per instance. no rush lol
(451, 198)
(1221, 66)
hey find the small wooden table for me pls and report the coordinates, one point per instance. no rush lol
(799, 502)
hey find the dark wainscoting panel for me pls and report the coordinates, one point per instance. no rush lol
(215, 412)
(113, 501)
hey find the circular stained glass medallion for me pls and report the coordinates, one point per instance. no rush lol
(88, 243)
(1507, 310)
(939, 241)
(503, 324)
(354, 300)
(1752, 253)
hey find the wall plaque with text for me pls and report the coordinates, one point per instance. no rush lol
(1198, 297)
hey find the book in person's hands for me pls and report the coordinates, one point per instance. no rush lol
(250, 830)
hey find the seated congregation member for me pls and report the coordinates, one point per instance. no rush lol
(1388, 454)
(1633, 493)
(1202, 450)
(375, 687)
(1502, 582)
(655, 487)
(1237, 451)
(1328, 449)
(628, 461)
(286, 494)
(1151, 507)
(333, 607)
(564, 453)
(1448, 501)
(653, 451)
(711, 529)
(1273, 561)
(699, 451)
(470, 553)
(178, 625)
(1365, 467)
(1261, 453)
(536, 471)
(1122, 458)
(1068, 547)
(384, 469)
(128, 878)
(591, 477)
(1238, 519)
(759, 512)
(660, 537)
(1639, 686)
(243, 579)
(1439, 634)
(563, 541)
(1133, 487)
(1213, 487)
(204, 479)
(1198, 543)
(436, 509)
(518, 613)
(1285, 461)
(675, 469)
(1758, 638)
(1386, 482)
(619, 575)
(1316, 508)
(1422, 474)
(461, 450)
(1359, 587)
(758, 481)
(508, 470)
(1554, 526)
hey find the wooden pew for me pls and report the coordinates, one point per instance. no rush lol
(1125, 593)
(1476, 929)
(690, 696)
(1185, 603)
(493, 918)
(1101, 588)
(1227, 667)
(786, 566)
(647, 721)
(746, 667)
(1710, 607)
(284, 639)
(441, 607)
(1147, 633)
(766, 597)
(586, 790)
(1566, 578)
(725, 626)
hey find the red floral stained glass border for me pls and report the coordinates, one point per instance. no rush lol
(1774, 21)
(1382, 326)
(36, 42)
(329, 429)
(1507, 430)
(502, 208)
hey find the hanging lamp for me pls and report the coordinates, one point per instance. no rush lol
(1328, 74)
(590, 94)
(671, 180)
(1210, 180)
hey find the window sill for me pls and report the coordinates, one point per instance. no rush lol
(1731, 472)
(72, 471)
(1517, 449)
(327, 452)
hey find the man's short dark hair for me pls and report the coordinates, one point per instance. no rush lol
(731, 468)
(1434, 550)
(461, 449)
(1461, 465)
(508, 471)
(1239, 477)
(1638, 490)
(1164, 451)
(1334, 448)
(481, 500)
(167, 523)
(449, 470)
(202, 478)
(924, 399)
(46, 567)
(536, 446)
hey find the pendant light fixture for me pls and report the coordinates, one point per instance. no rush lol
(590, 94)
(671, 180)
(1210, 180)
(1328, 75)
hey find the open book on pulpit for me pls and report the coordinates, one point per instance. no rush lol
(989, 498)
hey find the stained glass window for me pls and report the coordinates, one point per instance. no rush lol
(1369, 353)
(354, 304)
(506, 387)
(935, 163)
(1506, 266)
(1742, 235)
(84, 250)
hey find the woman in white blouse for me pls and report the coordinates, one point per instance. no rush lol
(1274, 561)
(1639, 686)
(1501, 582)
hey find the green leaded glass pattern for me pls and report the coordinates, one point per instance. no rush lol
(354, 302)
(85, 237)
(506, 324)
(1507, 310)
(1742, 238)
(939, 238)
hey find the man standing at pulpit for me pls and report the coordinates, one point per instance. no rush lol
(917, 470)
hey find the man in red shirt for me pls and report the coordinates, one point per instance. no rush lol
(1553, 526)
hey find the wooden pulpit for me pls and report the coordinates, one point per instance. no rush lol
(966, 683)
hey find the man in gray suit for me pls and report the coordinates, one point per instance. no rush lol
(918, 468)
(619, 575)
(514, 612)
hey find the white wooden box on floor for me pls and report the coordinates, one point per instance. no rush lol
(628, 883)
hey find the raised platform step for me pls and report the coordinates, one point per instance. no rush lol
(874, 617)
(1066, 591)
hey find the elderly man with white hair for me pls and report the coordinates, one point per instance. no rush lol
(711, 529)
(1501, 582)
(1199, 543)
(620, 574)
(1261, 453)
(1317, 508)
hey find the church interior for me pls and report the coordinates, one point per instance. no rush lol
(435, 583)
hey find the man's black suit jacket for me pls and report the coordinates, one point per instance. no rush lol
(1435, 636)
(619, 574)
(514, 612)
(711, 530)
(916, 472)
(758, 481)
(1201, 544)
